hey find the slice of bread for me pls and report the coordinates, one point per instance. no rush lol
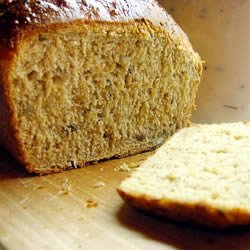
(200, 175)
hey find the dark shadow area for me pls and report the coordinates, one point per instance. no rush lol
(183, 236)
(2, 247)
(9, 168)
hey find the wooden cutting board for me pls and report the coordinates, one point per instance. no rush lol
(80, 209)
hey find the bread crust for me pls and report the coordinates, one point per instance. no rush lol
(195, 213)
(19, 18)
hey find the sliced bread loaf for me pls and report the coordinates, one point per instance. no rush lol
(200, 175)
(82, 81)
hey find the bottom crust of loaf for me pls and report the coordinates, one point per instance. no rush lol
(196, 214)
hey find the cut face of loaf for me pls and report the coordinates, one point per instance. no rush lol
(82, 92)
(200, 175)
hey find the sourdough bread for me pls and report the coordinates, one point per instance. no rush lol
(82, 81)
(200, 175)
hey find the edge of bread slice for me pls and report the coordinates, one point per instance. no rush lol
(200, 175)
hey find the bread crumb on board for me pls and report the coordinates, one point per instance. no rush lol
(91, 203)
(99, 184)
(125, 167)
(37, 187)
(66, 187)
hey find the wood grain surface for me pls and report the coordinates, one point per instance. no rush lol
(54, 212)
(80, 209)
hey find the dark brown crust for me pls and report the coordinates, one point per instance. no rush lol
(199, 214)
(9, 134)
(20, 16)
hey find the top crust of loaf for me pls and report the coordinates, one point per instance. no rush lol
(20, 18)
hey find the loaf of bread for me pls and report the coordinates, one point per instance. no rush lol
(200, 175)
(82, 81)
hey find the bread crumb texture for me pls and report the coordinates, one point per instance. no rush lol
(203, 172)
(84, 93)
